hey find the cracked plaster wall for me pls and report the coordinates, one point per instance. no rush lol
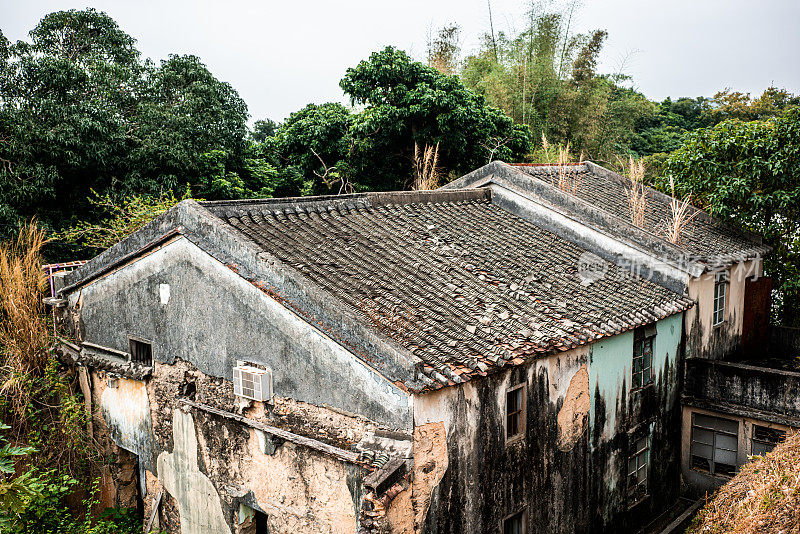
(213, 317)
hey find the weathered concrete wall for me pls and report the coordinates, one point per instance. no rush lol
(481, 480)
(739, 388)
(569, 472)
(723, 340)
(125, 408)
(122, 435)
(621, 415)
(194, 308)
(179, 473)
(209, 466)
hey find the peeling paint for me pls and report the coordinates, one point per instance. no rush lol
(126, 411)
(430, 464)
(198, 501)
(574, 413)
(300, 493)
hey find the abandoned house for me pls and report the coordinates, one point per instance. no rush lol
(499, 355)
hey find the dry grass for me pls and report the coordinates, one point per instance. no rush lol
(681, 214)
(426, 172)
(25, 336)
(763, 497)
(637, 199)
(567, 177)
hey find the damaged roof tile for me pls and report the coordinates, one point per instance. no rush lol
(397, 260)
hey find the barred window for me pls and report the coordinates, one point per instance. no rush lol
(141, 351)
(720, 298)
(638, 467)
(515, 413)
(765, 439)
(642, 368)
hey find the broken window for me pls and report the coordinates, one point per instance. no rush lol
(638, 466)
(514, 524)
(714, 445)
(720, 298)
(515, 408)
(141, 351)
(765, 439)
(642, 368)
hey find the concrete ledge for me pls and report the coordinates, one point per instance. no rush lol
(330, 450)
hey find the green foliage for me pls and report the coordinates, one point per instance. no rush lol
(47, 512)
(407, 102)
(545, 77)
(329, 149)
(122, 217)
(749, 173)
(262, 129)
(664, 130)
(311, 139)
(15, 492)
(80, 111)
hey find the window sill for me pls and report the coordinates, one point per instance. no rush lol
(708, 473)
(636, 503)
(519, 438)
(642, 388)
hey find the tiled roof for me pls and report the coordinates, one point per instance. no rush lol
(705, 238)
(456, 280)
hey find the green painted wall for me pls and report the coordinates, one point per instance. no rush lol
(610, 368)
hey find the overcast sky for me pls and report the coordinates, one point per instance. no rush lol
(282, 55)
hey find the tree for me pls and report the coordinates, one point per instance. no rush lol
(443, 50)
(184, 112)
(262, 129)
(81, 111)
(310, 143)
(67, 100)
(545, 77)
(749, 173)
(407, 102)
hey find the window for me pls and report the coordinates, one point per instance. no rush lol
(638, 465)
(765, 439)
(141, 351)
(515, 413)
(720, 298)
(714, 444)
(514, 524)
(642, 368)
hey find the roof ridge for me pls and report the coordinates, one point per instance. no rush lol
(350, 201)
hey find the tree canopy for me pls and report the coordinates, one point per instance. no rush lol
(749, 174)
(81, 111)
(405, 104)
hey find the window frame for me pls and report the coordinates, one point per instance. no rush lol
(141, 341)
(520, 434)
(712, 470)
(632, 493)
(780, 433)
(523, 517)
(642, 337)
(720, 300)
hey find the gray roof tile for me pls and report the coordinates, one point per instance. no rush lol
(458, 281)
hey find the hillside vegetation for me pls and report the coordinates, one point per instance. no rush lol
(763, 497)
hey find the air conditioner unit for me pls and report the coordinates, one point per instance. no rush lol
(252, 383)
